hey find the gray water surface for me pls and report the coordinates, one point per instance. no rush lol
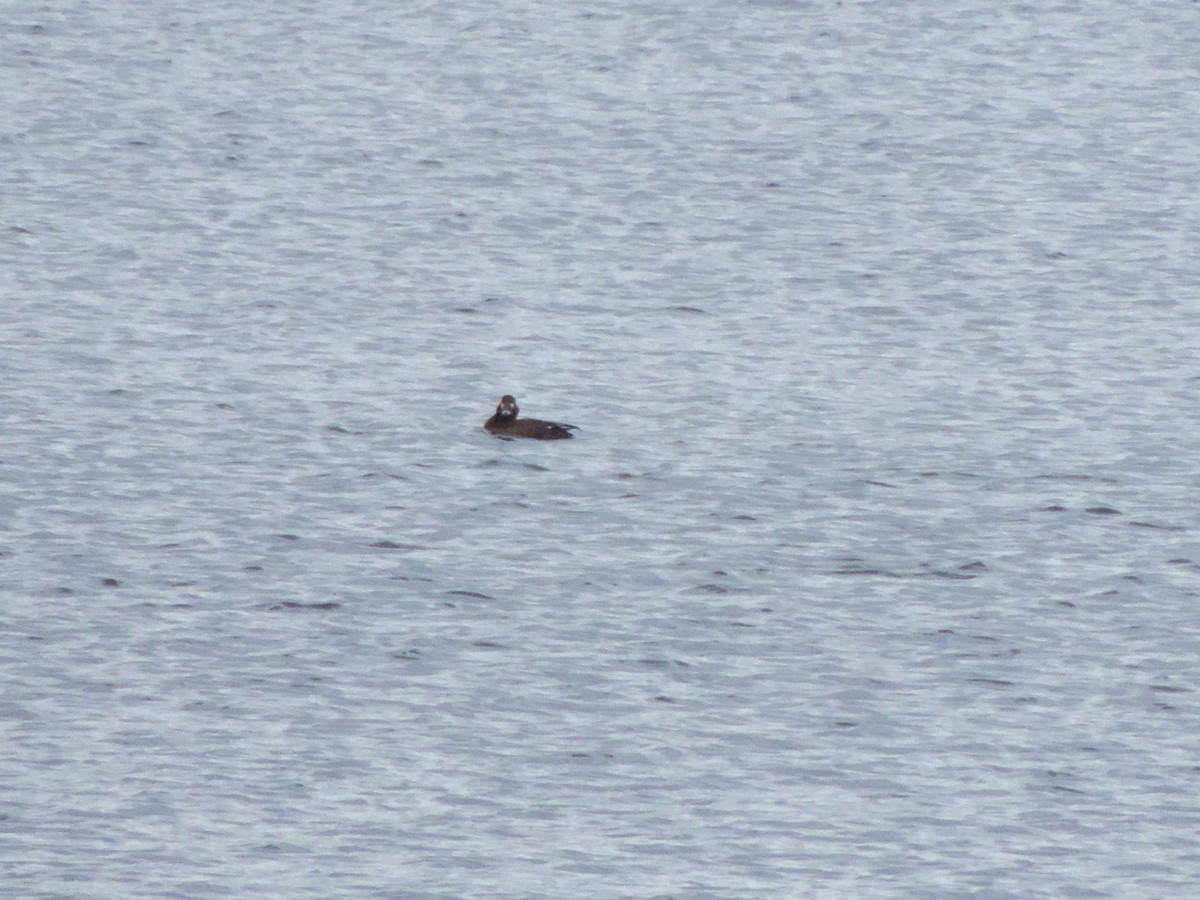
(872, 571)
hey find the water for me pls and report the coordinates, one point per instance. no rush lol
(872, 571)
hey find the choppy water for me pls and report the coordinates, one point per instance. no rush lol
(874, 568)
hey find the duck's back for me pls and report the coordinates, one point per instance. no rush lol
(528, 428)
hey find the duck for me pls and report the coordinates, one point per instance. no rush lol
(505, 424)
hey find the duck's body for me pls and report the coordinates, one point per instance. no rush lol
(505, 424)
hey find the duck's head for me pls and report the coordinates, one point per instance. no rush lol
(508, 407)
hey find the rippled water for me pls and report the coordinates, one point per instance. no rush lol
(873, 569)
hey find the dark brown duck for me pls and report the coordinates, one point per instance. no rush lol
(506, 424)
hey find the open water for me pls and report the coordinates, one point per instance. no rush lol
(873, 570)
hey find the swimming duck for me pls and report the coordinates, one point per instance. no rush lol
(506, 424)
